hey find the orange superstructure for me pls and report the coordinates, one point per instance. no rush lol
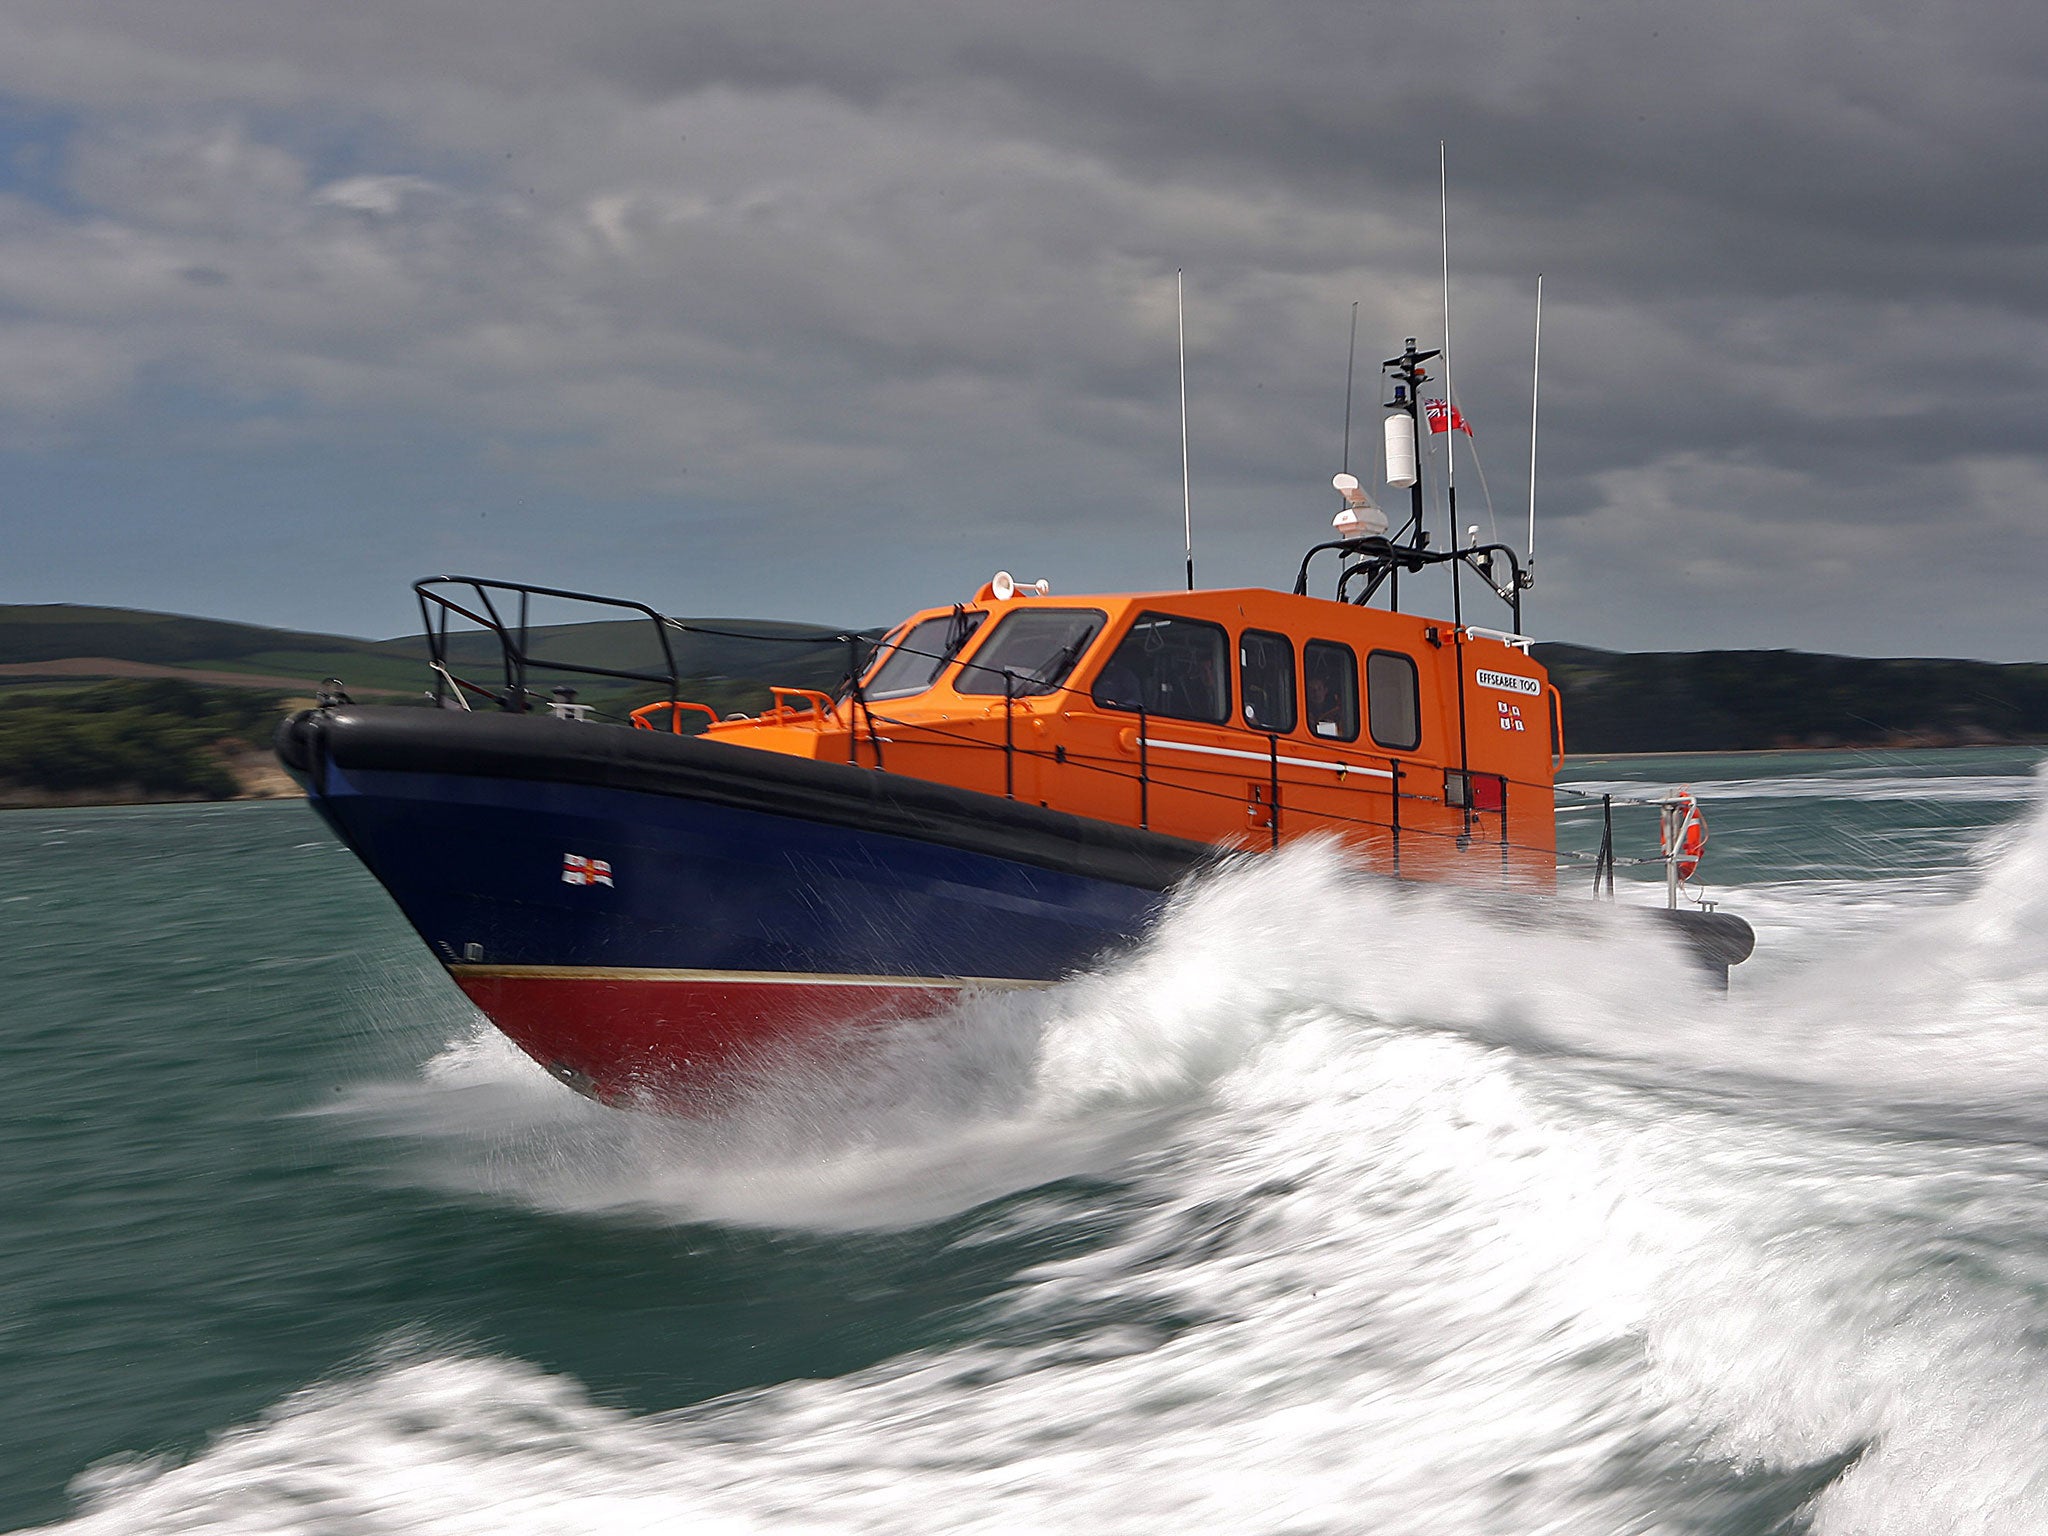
(1241, 717)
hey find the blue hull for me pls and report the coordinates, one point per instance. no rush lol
(477, 865)
(647, 915)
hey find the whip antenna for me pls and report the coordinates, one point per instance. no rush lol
(1535, 383)
(1350, 365)
(1450, 395)
(1187, 514)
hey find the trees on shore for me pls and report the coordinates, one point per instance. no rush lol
(158, 737)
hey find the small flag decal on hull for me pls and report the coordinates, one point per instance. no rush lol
(577, 870)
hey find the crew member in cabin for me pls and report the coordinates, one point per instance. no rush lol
(1119, 687)
(1323, 708)
(1330, 677)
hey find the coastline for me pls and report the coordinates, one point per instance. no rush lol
(257, 775)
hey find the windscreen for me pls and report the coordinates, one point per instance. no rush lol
(1036, 646)
(916, 660)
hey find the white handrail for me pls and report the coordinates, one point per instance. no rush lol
(1340, 769)
(1504, 636)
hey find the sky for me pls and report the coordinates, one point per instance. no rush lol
(827, 312)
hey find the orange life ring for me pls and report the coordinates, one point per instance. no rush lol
(1692, 834)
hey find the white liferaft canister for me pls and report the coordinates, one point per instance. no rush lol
(1400, 450)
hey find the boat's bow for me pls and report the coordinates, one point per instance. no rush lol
(633, 906)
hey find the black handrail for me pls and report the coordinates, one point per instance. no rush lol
(1378, 557)
(517, 659)
(482, 608)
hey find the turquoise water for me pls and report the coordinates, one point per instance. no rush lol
(1333, 1208)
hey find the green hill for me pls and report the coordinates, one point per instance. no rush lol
(1734, 701)
(64, 640)
(48, 631)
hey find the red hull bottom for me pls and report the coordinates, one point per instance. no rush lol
(669, 1038)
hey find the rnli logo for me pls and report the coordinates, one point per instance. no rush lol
(1511, 717)
(577, 870)
(1508, 682)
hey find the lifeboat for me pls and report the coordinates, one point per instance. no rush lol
(1002, 791)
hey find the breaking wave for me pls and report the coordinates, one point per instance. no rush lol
(1335, 1206)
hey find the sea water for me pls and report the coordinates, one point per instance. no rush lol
(1334, 1206)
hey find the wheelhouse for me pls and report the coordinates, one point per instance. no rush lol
(1241, 717)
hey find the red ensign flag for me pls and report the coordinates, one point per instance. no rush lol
(1446, 418)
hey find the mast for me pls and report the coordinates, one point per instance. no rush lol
(1187, 514)
(1404, 465)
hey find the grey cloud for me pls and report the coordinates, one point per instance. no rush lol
(901, 277)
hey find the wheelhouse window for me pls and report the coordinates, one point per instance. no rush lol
(1393, 700)
(1037, 646)
(1330, 689)
(1170, 666)
(916, 660)
(1265, 673)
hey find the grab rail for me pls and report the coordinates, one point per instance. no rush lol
(821, 705)
(436, 605)
(643, 717)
